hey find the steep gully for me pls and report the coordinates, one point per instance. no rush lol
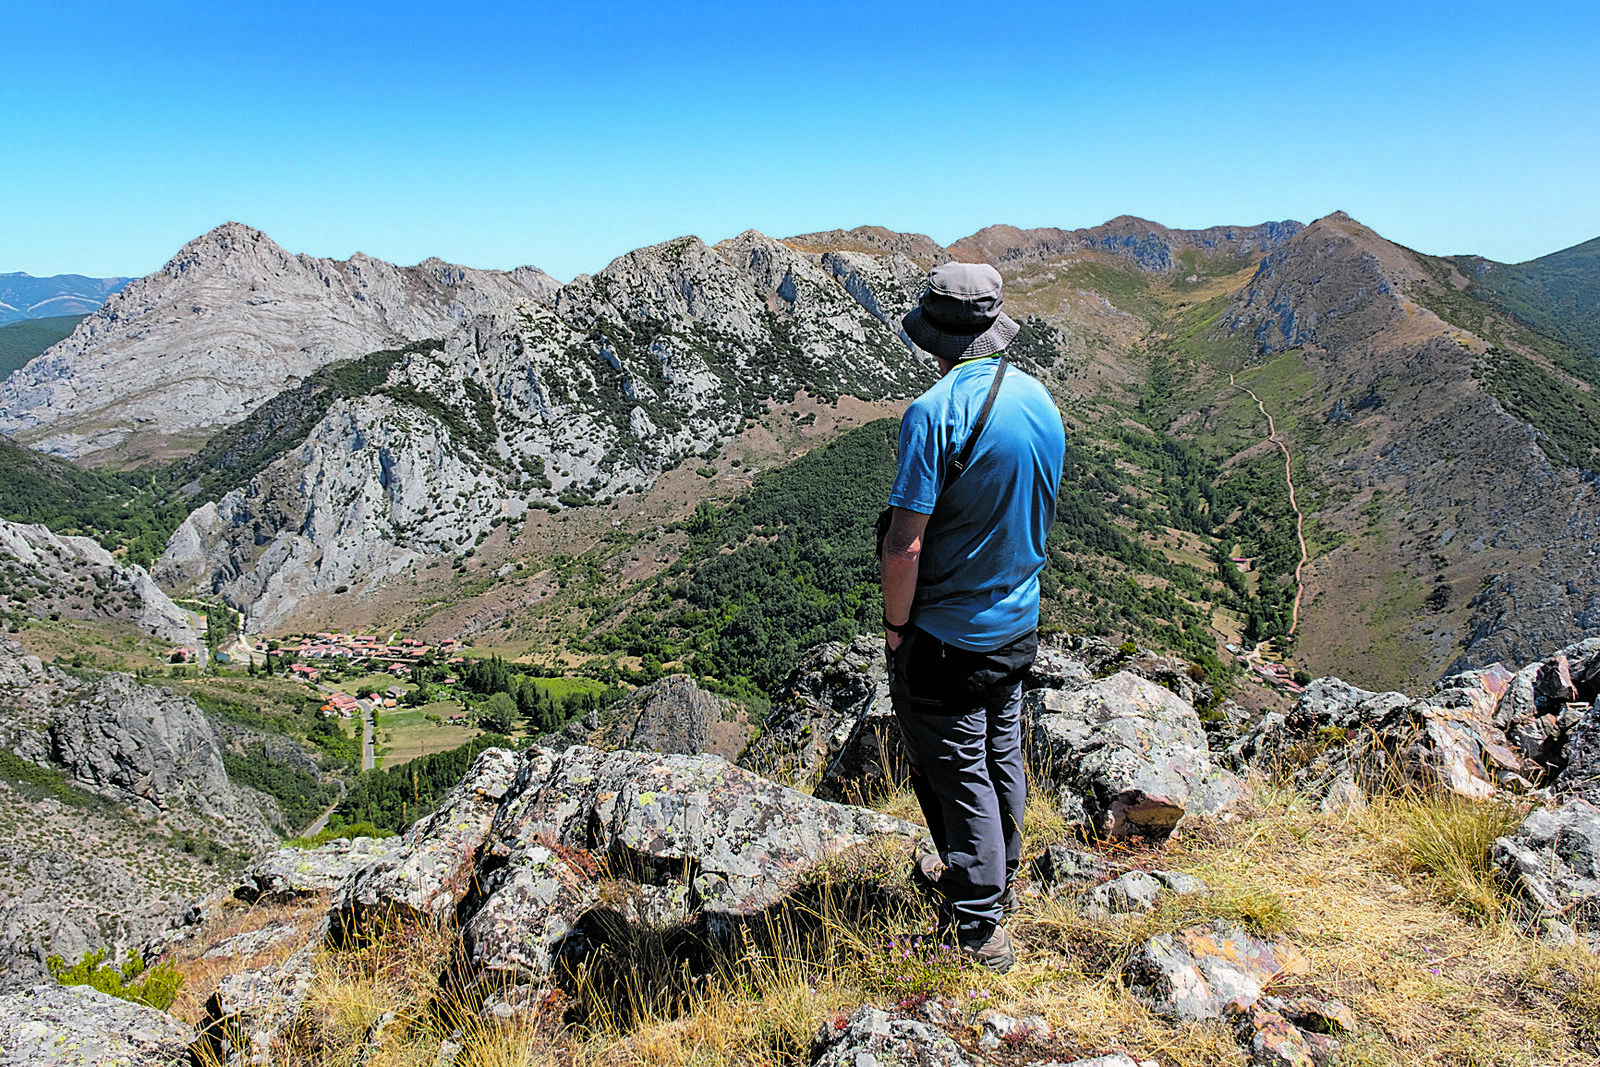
(1299, 520)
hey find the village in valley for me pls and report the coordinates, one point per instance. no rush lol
(399, 658)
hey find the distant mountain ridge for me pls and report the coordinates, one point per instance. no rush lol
(228, 322)
(1558, 293)
(23, 296)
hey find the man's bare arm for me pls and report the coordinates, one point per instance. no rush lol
(902, 553)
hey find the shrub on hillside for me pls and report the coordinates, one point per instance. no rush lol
(155, 986)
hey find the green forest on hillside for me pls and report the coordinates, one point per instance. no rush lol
(121, 511)
(790, 563)
(21, 341)
(1531, 313)
(137, 511)
(1558, 295)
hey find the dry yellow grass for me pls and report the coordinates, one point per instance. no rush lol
(1434, 974)
(201, 974)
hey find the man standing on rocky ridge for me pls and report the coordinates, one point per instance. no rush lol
(980, 464)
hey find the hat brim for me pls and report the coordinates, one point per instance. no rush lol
(958, 346)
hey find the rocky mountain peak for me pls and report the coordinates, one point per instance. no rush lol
(227, 323)
(1334, 259)
(873, 241)
(226, 244)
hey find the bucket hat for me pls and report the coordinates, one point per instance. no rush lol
(959, 316)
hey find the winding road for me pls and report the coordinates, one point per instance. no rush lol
(1299, 520)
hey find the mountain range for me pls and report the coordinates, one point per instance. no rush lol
(327, 435)
(22, 296)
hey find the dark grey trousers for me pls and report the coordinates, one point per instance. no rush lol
(960, 716)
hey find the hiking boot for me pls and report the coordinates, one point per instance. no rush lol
(924, 876)
(994, 953)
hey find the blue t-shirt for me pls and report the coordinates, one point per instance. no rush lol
(978, 577)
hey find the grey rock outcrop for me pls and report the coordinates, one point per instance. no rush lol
(1553, 858)
(154, 750)
(290, 873)
(228, 322)
(75, 1026)
(1339, 734)
(29, 689)
(47, 573)
(1546, 703)
(1128, 756)
(873, 1036)
(832, 724)
(1581, 751)
(836, 698)
(247, 1014)
(672, 715)
(693, 836)
(1205, 972)
(426, 874)
(124, 821)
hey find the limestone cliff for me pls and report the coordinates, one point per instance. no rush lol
(656, 359)
(43, 574)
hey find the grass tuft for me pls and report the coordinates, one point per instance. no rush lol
(1451, 839)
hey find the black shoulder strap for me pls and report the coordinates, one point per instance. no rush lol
(959, 464)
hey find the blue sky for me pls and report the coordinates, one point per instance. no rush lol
(497, 134)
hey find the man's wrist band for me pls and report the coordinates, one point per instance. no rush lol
(903, 629)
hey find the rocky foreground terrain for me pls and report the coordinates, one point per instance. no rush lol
(549, 876)
(115, 811)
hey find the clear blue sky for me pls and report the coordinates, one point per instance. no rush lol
(497, 134)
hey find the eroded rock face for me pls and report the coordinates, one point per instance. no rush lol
(76, 577)
(1547, 700)
(1382, 741)
(682, 836)
(1553, 858)
(76, 1026)
(1581, 775)
(593, 393)
(87, 874)
(1129, 756)
(672, 715)
(427, 871)
(831, 725)
(153, 749)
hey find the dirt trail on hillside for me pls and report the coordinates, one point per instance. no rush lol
(1299, 520)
